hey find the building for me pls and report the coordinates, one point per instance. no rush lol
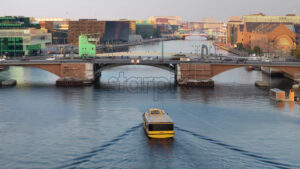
(84, 26)
(262, 18)
(87, 45)
(118, 31)
(208, 25)
(108, 31)
(297, 31)
(275, 35)
(232, 29)
(166, 24)
(269, 37)
(146, 30)
(58, 27)
(19, 37)
(54, 23)
(170, 20)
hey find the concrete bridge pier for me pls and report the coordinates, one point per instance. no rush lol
(76, 74)
(194, 75)
(97, 74)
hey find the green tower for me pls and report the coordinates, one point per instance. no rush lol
(87, 45)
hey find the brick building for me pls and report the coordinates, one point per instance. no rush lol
(297, 31)
(270, 37)
(273, 34)
(232, 29)
(84, 26)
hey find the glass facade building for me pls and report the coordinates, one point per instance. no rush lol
(19, 37)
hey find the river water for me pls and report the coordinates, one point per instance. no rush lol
(234, 125)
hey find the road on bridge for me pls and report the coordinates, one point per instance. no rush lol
(135, 61)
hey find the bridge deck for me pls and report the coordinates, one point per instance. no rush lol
(146, 62)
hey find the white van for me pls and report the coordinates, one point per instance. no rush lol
(52, 58)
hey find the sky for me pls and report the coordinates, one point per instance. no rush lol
(189, 10)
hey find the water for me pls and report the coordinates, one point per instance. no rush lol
(190, 45)
(234, 125)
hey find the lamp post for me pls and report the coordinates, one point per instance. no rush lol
(1, 40)
(162, 49)
(15, 47)
(197, 47)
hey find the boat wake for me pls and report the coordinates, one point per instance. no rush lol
(269, 161)
(86, 157)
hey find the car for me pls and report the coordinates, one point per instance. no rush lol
(267, 60)
(52, 58)
(227, 60)
(3, 59)
(186, 59)
(148, 58)
(292, 60)
(25, 59)
(89, 59)
(242, 60)
(177, 56)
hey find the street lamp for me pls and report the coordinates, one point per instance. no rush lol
(162, 49)
(1, 40)
(15, 47)
(197, 47)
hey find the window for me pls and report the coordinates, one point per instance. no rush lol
(161, 127)
(155, 112)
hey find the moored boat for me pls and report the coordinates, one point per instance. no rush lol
(3, 68)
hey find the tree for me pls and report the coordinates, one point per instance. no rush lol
(296, 52)
(257, 50)
(156, 33)
(240, 46)
(231, 39)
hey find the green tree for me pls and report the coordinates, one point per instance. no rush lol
(257, 50)
(240, 46)
(156, 33)
(296, 52)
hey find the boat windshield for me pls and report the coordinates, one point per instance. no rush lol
(161, 127)
(155, 112)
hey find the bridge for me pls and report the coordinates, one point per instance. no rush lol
(197, 71)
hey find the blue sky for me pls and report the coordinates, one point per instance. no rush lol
(192, 10)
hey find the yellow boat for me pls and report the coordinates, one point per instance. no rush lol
(158, 124)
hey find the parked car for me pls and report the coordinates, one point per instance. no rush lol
(242, 60)
(292, 60)
(3, 59)
(25, 58)
(148, 58)
(177, 56)
(51, 58)
(267, 60)
(186, 59)
(227, 60)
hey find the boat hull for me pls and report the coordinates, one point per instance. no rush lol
(3, 68)
(159, 134)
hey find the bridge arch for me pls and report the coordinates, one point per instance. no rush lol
(63, 70)
(170, 68)
(292, 71)
(54, 69)
(218, 69)
(51, 68)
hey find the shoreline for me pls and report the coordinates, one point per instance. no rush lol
(232, 50)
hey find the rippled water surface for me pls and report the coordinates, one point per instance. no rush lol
(234, 125)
